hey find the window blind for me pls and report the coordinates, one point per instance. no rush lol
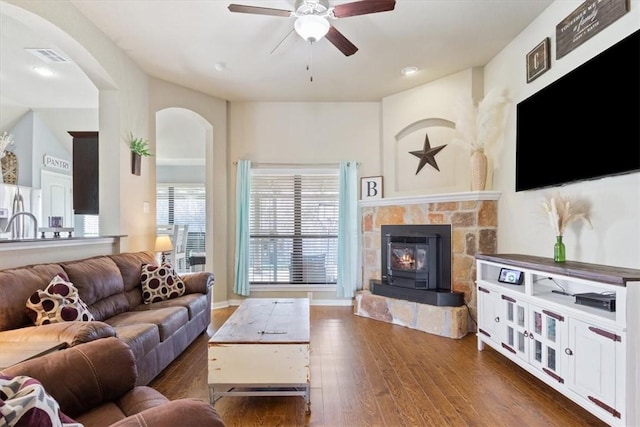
(184, 204)
(293, 222)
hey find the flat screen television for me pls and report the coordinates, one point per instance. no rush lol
(585, 125)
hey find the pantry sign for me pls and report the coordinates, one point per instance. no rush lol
(56, 163)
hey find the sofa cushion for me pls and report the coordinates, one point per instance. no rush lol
(195, 303)
(16, 286)
(59, 302)
(160, 283)
(130, 265)
(99, 284)
(26, 403)
(168, 320)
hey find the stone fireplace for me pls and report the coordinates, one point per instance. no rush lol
(472, 217)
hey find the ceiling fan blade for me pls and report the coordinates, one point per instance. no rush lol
(259, 10)
(341, 42)
(363, 7)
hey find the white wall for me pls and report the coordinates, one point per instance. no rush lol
(421, 111)
(210, 115)
(301, 133)
(123, 107)
(615, 201)
(329, 132)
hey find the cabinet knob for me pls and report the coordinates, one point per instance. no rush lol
(526, 334)
(497, 319)
(568, 351)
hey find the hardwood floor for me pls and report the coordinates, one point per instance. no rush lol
(370, 373)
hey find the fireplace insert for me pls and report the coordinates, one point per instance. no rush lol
(416, 264)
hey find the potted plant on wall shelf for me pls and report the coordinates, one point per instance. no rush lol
(139, 148)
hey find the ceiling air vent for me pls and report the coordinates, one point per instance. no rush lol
(47, 55)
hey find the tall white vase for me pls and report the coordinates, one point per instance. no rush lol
(478, 170)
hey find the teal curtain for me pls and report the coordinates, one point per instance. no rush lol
(348, 230)
(243, 200)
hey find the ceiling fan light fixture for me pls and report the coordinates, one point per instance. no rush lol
(312, 27)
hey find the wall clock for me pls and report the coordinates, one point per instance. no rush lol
(9, 168)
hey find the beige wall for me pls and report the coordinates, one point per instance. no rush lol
(615, 201)
(212, 116)
(329, 132)
(300, 133)
(123, 107)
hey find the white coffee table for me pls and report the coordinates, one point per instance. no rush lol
(262, 350)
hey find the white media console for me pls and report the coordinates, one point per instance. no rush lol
(583, 349)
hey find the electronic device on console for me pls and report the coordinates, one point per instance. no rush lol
(596, 300)
(510, 276)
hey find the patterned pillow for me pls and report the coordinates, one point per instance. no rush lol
(59, 302)
(160, 283)
(24, 402)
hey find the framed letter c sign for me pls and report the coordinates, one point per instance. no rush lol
(371, 188)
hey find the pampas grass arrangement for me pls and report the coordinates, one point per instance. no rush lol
(479, 127)
(562, 211)
(6, 139)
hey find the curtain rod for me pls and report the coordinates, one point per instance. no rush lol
(294, 164)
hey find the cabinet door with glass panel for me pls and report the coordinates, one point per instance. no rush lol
(546, 334)
(516, 324)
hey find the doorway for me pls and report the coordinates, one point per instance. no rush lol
(57, 197)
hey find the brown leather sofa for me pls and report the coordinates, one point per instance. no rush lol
(95, 384)
(111, 288)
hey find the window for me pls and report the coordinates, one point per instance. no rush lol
(184, 204)
(90, 225)
(293, 222)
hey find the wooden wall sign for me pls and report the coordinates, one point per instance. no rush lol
(586, 21)
(538, 60)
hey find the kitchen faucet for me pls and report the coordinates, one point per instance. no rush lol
(17, 214)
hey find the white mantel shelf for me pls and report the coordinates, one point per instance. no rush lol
(432, 198)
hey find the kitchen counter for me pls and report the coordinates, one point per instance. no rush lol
(51, 241)
(20, 252)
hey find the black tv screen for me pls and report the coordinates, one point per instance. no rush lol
(585, 125)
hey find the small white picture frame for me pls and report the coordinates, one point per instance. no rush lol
(371, 188)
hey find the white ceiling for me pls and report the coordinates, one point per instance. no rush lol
(261, 58)
(182, 41)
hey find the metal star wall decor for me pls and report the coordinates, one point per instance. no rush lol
(427, 154)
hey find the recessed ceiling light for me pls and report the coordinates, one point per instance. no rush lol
(409, 70)
(220, 66)
(44, 71)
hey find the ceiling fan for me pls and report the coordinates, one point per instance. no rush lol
(312, 18)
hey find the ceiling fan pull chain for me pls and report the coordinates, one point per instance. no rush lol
(310, 62)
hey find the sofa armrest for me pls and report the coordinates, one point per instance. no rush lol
(198, 282)
(85, 376)
(73, 333)
(181, 412)
(139, 399)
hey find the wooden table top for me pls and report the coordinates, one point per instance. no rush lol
(12, 353)
(266, 321)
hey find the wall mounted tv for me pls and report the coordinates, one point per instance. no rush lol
(585, 125)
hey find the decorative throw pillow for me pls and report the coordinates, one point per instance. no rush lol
(59, 302)
(160, 283)
(25, 402)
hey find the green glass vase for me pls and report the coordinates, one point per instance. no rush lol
(559, 251)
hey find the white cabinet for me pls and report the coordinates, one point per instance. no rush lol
(593, 349)
(586, 350)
